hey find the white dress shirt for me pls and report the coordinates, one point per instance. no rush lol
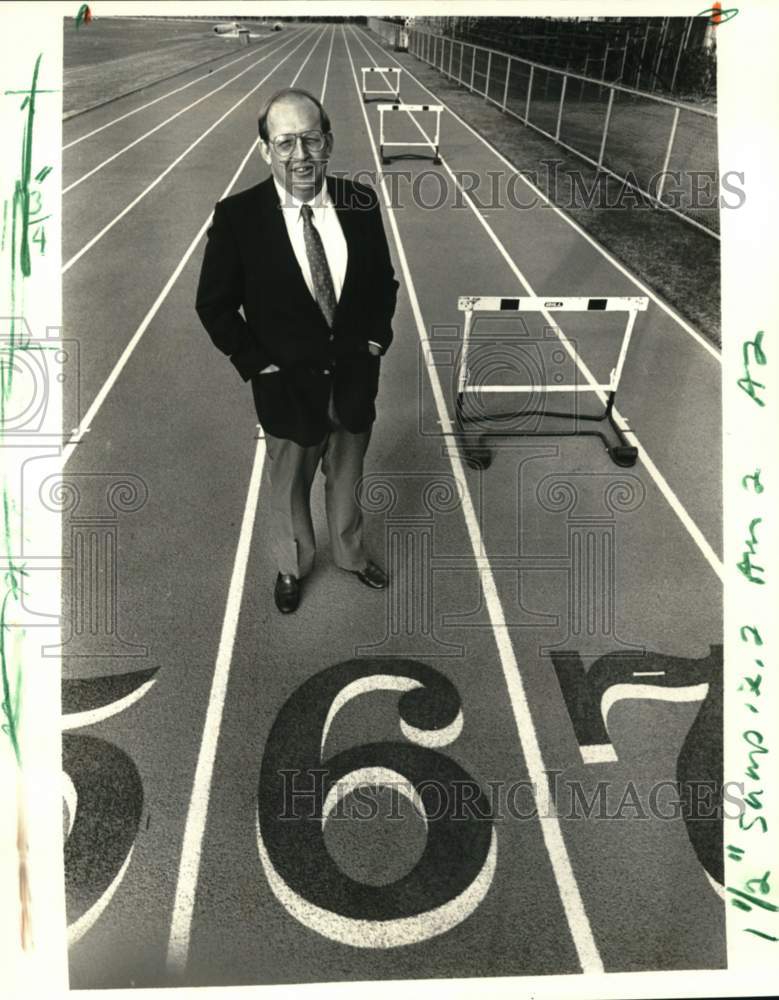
(325, 218)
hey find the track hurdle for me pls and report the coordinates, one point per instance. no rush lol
(390, 108)
(393, 92)
(623, 453)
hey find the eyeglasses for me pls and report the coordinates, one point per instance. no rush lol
(313, 142)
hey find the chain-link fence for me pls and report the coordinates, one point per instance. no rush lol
(672, 55)
(663, 150)
(394, 33)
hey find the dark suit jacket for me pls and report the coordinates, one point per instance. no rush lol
(249, 264)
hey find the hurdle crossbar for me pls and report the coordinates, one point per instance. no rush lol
(382, 71)
(433, 144)
(624, 453)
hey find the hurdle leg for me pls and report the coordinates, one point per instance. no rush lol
(437, 158)
(476, 454)
(623, 454)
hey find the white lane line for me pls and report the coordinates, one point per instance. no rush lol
(327, 66)
(128, 208)
(699, 338)
(163, 97)
(83, 428)
(89, 416)
(660, 481)
(197, 813)
(173, 117)
(570, 897)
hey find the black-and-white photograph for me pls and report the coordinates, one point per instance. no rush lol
(392, 590)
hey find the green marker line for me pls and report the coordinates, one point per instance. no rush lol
(10, 726)
(16, 232)
(21, 219)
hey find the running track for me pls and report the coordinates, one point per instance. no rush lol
(169, 717)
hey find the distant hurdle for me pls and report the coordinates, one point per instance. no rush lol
(436, 109)
(393, 92)
(623, 453)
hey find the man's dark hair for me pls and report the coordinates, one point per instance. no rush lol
(262, 120)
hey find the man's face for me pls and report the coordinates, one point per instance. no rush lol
(301, 173)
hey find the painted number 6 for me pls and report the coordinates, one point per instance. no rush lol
(456, 868)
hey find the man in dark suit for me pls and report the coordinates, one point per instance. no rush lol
(305, 257)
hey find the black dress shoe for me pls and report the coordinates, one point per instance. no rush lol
(287, 593)
(372, 576)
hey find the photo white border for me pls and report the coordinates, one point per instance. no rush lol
(748, 104)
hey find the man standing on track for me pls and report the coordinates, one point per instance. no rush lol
(306, 259)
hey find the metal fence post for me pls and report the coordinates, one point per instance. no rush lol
(529, 89)
(506, 86)
(624, 59)
(560, 109)
(667, 160)
(605, 61)
(605, 128)
(621, 75)
(687, 33)
(473, 65)
(451, 56)
(676, 64)
(489, 68)
(660, 45)
(641, 57)
(462, 53)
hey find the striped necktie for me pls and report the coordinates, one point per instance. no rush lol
(324, 292)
